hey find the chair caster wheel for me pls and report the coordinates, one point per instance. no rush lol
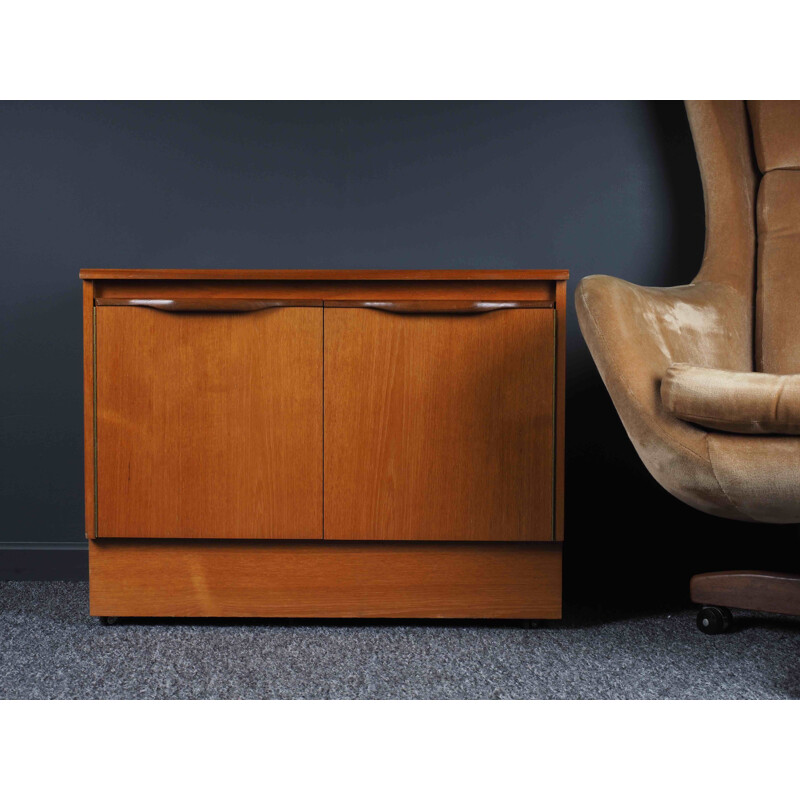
(714, 619)
(107, 621)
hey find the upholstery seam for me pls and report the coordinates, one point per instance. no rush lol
(778, 398)
(688, 416)
(722, 489)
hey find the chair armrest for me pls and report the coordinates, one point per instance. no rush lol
(704, 324)
(736, 402)
(634, 334)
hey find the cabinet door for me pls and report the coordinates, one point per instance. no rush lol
(439, 426)
(209, 424)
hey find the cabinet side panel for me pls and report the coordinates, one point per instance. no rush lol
(88, 409)
(560, 410)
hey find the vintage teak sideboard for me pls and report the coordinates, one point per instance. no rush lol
(324, 443)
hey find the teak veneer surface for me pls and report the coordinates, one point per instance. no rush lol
(89, 474)
(209, 424)
(324, 579)
(327, 274)
(560, 409)
(439, 427)
(541, 290)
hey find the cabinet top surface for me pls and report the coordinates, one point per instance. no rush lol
(327, 274)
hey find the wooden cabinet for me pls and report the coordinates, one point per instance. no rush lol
(418, 415)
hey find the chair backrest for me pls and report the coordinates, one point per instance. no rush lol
(776, 140)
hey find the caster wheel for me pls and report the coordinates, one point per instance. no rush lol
(107, 620)
(530, 624)
(714, 619)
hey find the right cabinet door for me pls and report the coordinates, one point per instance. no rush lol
(439, 426)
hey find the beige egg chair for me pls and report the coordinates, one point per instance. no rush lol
(706, 377)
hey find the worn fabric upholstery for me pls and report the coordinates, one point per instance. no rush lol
(776, 133)
(737, 402)
(776, 140)
(778, 291)
(635, 334)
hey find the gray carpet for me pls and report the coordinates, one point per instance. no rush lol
(51, 648)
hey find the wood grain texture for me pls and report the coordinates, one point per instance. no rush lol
(560, 410)
(439, 427)
(754, 590)
(455, 307)
(209, 425)
(326, 274)
(489, 290)
(324, 579)
(88, 410)
(189, 304)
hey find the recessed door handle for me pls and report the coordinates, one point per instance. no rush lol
(221, 304)
(438, 306)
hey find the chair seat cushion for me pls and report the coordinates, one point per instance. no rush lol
(739, 402)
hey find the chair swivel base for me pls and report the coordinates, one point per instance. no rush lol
(753, 590)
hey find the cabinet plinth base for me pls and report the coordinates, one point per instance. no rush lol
(414, 580)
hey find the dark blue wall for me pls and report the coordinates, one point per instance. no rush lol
(607, 187)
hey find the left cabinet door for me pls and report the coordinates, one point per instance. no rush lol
(209, 424)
